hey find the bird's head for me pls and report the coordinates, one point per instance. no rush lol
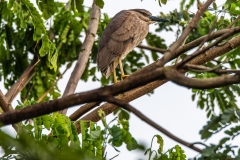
(147, 16)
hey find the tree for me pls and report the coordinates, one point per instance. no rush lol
(36, 40)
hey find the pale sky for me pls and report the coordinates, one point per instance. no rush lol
(170, 106)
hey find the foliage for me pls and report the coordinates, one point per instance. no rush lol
(174, 153)
(62, 138)
(49, 34)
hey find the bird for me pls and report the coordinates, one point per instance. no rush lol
(125, 31)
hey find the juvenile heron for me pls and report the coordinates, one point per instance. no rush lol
(125, 31)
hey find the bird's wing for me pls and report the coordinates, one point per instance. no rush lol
(117, 38)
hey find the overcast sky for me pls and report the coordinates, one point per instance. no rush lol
(170, 106)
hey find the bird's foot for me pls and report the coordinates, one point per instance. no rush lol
(124, 76)
(115, 80)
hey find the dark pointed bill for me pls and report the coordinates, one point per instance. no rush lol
(158, 19)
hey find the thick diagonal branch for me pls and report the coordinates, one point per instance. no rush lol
(84, 53)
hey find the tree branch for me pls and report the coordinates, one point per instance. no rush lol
(125, 105)
(6, 107)
(198, 52)
(84, 53)
(4, 103)
(179, 78)
(22, 82)
(80, 98)
(198, 68)
(152, 48)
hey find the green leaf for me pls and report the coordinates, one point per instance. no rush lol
(214, 6)
(95, 134)
(230, 1)
(100, 3)
(164, 1)
(132, 144)
(160, 142)
(79, 5)
(123, 115)
(117, 136)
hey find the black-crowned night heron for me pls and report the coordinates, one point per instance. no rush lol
(125, 31)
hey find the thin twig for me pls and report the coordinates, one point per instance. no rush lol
(173, 75)
(198, 52)
(210, 31)
(235, 21)
(114, 157)
(152, 48)
(192, 24)
(198, 68)
(125, 105)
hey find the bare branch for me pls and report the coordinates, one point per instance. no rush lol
(84, 53)
(192, 24)
(198, 41)
(152, 48)
(198, 68)
(22, 82)
(217, 51)
(179, 78)
(198, 52)
(125, 105)
(4, 103)
(6, 107)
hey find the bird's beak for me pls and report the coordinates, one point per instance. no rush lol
(156, 19)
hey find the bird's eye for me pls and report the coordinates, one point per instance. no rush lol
(143, 13)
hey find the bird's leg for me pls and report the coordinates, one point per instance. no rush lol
(123, 76)
(114, 75)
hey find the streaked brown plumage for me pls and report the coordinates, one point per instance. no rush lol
(125, 31)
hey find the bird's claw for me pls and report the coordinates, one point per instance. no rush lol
(124, 76)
